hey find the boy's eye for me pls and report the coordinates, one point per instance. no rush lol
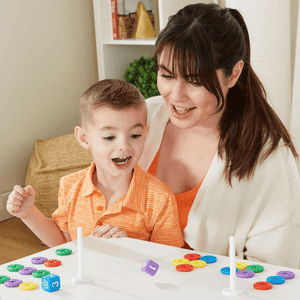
(135, 136)
(109, 138)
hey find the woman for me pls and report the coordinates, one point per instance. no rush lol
(218, 144)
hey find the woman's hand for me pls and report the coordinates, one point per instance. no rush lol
(107, 231)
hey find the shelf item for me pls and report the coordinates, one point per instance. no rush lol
(114, 55)
(142, 27)
(115, 21)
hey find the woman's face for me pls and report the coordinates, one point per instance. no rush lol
(188, 105)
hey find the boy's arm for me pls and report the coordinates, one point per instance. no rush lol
(21, 204)
(45, 228)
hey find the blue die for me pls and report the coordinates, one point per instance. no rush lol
(150, 267)
(50, 283)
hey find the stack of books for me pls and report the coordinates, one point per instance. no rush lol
(120, 23)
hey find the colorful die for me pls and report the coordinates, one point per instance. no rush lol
(50, 283)
(150, 267)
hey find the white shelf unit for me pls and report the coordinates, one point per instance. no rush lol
(114, 56)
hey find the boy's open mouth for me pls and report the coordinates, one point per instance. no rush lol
(121, 160)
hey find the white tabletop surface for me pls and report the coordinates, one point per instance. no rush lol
(115, 267)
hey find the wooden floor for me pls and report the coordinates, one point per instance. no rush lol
(17, 241)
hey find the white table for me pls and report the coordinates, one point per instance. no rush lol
(115, 267)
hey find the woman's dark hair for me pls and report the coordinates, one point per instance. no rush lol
(202, 38)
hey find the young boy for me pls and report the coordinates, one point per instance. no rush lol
(113, 197)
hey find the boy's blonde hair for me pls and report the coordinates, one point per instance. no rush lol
(114, 93)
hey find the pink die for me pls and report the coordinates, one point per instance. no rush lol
(150, 267)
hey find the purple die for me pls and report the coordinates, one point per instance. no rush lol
(50, 283)
(150, 267)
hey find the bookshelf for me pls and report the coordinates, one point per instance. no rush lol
(114, 56)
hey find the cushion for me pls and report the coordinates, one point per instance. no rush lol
(52, 159)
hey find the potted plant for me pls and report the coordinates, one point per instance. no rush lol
(142, 74)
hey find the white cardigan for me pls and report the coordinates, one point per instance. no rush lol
(263, 213)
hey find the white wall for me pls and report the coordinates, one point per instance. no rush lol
(47, 59)
(294, 23)
(272, 29)
(170, 7)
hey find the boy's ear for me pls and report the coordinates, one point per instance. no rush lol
(81, 137)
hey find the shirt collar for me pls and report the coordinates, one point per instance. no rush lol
(88, 186)
(135, 197)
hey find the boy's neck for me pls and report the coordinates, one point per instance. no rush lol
(113, 188)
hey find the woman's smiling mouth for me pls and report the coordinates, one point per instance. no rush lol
(182, 110)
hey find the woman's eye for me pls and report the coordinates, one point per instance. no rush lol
(135, 136)
(195, 83)
(109, 138)
(167, 76)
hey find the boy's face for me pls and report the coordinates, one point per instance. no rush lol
(116, 139)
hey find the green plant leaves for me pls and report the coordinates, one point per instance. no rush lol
(142, 74)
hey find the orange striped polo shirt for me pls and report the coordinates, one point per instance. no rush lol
(148, 211)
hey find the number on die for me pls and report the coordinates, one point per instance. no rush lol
(50, 283)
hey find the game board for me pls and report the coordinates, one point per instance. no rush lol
(115, 267)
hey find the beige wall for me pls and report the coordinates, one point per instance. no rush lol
(294, 22)
(47, 59)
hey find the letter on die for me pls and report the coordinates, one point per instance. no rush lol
(150, 267)
(50, 283)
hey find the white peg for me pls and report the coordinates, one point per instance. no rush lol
(232, 290)
(80, 278)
